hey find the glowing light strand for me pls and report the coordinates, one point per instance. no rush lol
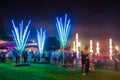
(110, 46)
(77, 44)
(20, 36)
(91, 46)
(97, 48)
(41, 35)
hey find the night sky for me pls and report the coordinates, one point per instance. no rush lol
(92, 19)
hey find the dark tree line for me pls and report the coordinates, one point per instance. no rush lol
(52, 43)
(3, 34)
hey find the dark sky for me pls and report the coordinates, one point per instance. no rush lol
(90, 18)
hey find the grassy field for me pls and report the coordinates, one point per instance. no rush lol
(51, 72)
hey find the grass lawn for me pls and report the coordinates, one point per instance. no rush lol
(50, 72)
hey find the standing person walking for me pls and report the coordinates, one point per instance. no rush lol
(11, 55)
(92, 61)
(83, 62)
(30, 54)
(87, 63)
(116, 60)
(3, 57)
(25, 56)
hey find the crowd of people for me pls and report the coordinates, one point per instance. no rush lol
(85, 60)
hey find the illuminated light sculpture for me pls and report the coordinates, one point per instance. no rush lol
(20, 35)
(97, 48)
(91, 46)
(110, 47)
(41, 35)
(63, 29)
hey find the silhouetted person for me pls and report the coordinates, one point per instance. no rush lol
(83, 62)
(30, 56)
(116, 60)
(74, 57)
(47, 56)
(36, 57)
(87, 63)
(11, 55)
(92, 61)
(17, 58)
(25, 56)
(3, 57)
(0, 57)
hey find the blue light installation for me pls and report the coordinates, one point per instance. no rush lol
(41, 35)
(63, 29)
(20, 35)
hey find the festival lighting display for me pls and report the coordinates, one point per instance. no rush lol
(20, 35)
(63, 29)
(41, 35)
(76, 44)
(97, 48)
(110, 47)
(91, 46)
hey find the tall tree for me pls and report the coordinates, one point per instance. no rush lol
(2, 29)
(3, 34)
(52, 43)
